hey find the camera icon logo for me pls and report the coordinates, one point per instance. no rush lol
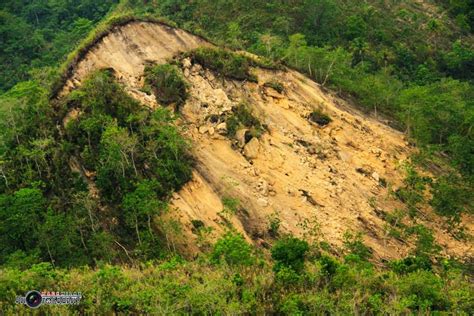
(33, 299)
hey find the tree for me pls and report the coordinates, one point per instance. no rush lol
(20, 217)
(233, 250)
(142, 205)
(289, 252)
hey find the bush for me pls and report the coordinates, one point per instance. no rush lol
(355, 245)
(450, 198)
(422, 290)
(328, 265)
(232, 249)
(320, 118)
(167, 84)
(277, 86)
(242, 117)
(225, 63)
(289, 252)
(411, 264)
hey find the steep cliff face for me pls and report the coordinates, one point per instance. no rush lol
(319, 180)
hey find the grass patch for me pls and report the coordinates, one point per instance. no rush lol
(320, 118)
(167, 84)
(242, 117)
(277, 86)
(224, 62)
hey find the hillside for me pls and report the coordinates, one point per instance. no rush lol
(157, 171)
(297, 170)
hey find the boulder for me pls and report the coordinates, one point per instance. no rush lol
(222, 128)
(252, 148)
(203, 129)
(262, 202)
(187, 63)
(241, 136)
(273, 93)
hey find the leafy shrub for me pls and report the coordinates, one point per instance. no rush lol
(412, 193)
(232, 249)
(231, 204)
(450, 198)
(328, 265)
(355, 245)
(425, 244)
(242, 117)
(319, 118)
(277, 86)
(411, 264)
(167, 84)
(274, 224)
(224, 62)
(289, 252)
(422, 290)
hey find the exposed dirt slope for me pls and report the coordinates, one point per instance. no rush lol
(297, 171)
(127, 48)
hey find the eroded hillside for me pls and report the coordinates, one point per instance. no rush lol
(335, 177)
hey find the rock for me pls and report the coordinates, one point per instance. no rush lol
(196, 68)
(252, 148)
(187, 63)
(241, 136)
(211, 131)
(376, 176)
(186, 72)
(365, 170)
(262, 202)
(222, 128)
(263, 187)
(203, 129)
(273, 93)
(210, 76)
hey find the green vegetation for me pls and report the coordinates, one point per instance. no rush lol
(36, 34)
(232, 279)
(135, 159)
(224, 62)
(277, 86)
(81, 203)
(320, 118)
(242, 117)
(167, 84)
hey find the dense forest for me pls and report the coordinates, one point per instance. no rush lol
(410, 63)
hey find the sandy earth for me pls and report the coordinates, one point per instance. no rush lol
(306, 175)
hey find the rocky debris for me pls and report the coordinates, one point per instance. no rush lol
(309, 198)
(186, 62)
(273, 93)
(252, 148)
(210, 76)
(366, 170)
(375, 176)
(263, 187)
(203, 129)
(377, 152)
(243, 137)
(263, 202)
(196, 69)
(222, 128)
